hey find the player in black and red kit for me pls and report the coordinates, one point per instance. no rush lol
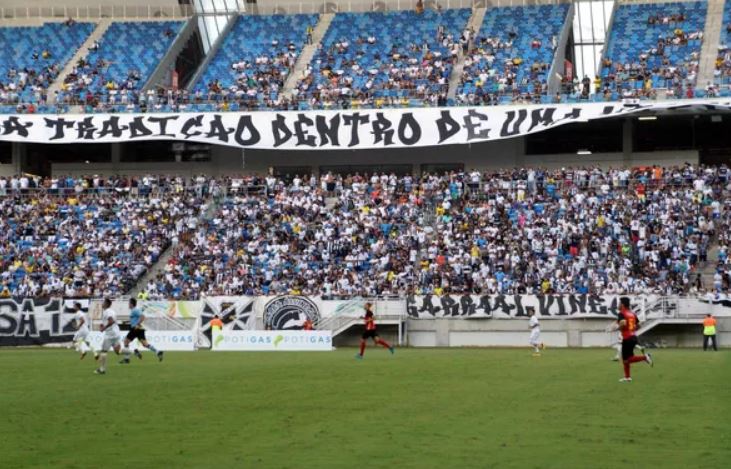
(370, 331)
(628, 324)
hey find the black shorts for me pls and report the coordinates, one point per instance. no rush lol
(138, 334)
(628, 347)
(370, 334)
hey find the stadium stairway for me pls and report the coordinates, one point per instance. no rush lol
(708, 269)
(211, 204)
(211, 54)
(559, 55)
(101, 27)
(163, 72)
(711, 41)
(304, 59)
(475, 22)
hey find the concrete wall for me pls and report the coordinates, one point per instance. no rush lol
(554, 333)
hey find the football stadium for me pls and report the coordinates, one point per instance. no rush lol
(365, 233)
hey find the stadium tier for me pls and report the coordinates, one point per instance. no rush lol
(254, 61)
(512, 55)
(723, 62)
(79, 237)
(400, 57)
(532, 231)
(655, 45)
(121, 62)
(33, 57)
(367, 59)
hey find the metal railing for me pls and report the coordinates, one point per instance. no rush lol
(142, 11)
(92, 12)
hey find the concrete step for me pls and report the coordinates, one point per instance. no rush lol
(711, 41)
(475, 22)
(308, 52)
(101, 27)
(162, 262)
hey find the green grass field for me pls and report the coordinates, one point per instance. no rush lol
(417, 409)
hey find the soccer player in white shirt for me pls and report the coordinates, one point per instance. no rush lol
(81, 337)
(535, 331)
(112, 335)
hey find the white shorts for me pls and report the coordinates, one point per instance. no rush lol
(81, 334)
(535, 336)
(110, 342)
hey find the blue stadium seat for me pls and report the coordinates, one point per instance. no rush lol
(23, 49)
(632, 36)
(527, 24)
(252, 37)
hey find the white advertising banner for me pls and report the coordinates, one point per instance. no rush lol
(272, 341)
(331, 130)
(177, 341)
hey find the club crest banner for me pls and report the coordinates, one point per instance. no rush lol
(329, 130)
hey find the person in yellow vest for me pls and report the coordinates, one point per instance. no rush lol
(216, 331)
(709, 332)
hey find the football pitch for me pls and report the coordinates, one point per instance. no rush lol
(420, 408)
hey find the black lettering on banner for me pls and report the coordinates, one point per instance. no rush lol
(573, 115)
(451, 307)
(137, 128)
(163, 124)
(484, 305)
(577, 303)
(218, 130)
(447, 126)
(328, 133)
(85, 129)
(382, 130)
(280, 131)
(110, 126)
(519, 310)
(502, 305)
(407, 120)
(510, 116)
(355, 120)
(191, 123)
(471, 125)
(246, 124)
(411, 309)
(59, 125)
(27, 325)
(467, 305)
(428, 306)
(541, 118)
(12, 125)
(607, 110)
(302, 134)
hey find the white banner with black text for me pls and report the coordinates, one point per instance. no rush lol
(329, 130)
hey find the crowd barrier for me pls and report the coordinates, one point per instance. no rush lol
(185, 325)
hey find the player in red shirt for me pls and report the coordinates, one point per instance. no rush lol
(370, 331)
(628, 324)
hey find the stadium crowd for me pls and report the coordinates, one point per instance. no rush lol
(573, 230)
(526, 231)
(70, 236)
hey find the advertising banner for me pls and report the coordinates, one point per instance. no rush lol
(178, 341)
(272, 341)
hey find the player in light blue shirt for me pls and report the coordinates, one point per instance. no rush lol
(137, 331)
